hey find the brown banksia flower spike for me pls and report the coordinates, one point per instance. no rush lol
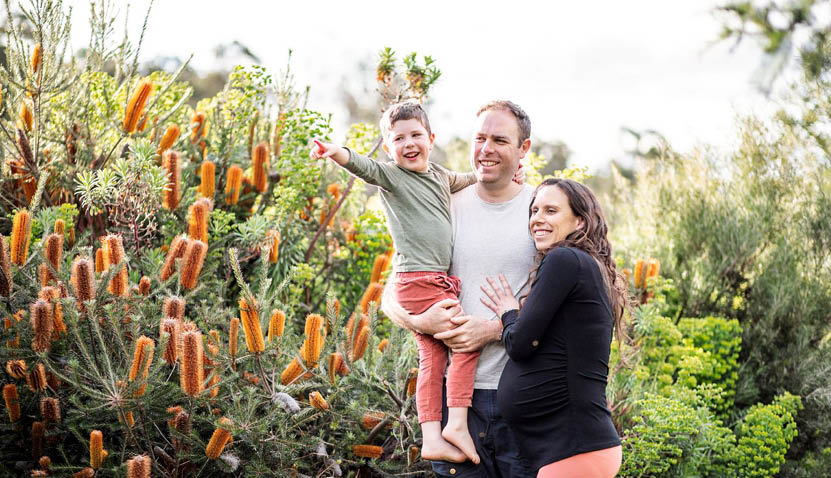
(192, 263)
(50, 409)
(197, 123)
(379, 267)
(37, 379)
(250, 318)
(172, 327)
(174, 307)
(259, 161)
(335, 361)
(102, 259)
(213, 344)
(26, 153)
(51, 294)
(191, 368)
(115, 249)
(274, 252)
(200, 214)
(44, 275)
(12, 400)
(53, 249)
(138, 467)
(135, 106)
(233, 341)
(38, 432)
(413, 454)
(40, 315)
(276, 324)
(313, 323)
(142, 359)
(207, 176)
(171, 164)
(639, 273)
(371, 420)
(26, 116)
(233, 184)
(6, 283)
(175, 251)
(60, 226)
(83, 280)
(367, 451)
(360, 344)
(96, 449)
(412, 379)
(144, 286)
(181, 423)
(169, 138)
(383, 345)
(371, 294)
(352, 328)
(16, 368)
(85, 473)
(220, 438)
(37, 58)
(20, 237)
(317, 401)
(292, 371)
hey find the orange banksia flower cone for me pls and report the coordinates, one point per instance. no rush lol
(37, 379)
(379, 267)
(53, 250)
(207, 176)
(383, 345)
(233, 341)
(171, 327)
(96, 449)
(411, 382)
(85, 473)
(60, 226)
(26, 116)
(12, 400)
(367, 451)
(371, 420)
(219, 439)
(360, 344)
(40, 315)
(83, 280)
(174, 307)
(317, 401)
(259, 161)
(250, 318)
(274, 252)
(144, 286)
(200, 213)
(169, 138)
(135, 107)
(291, 372)
(639, 273)
(197, 122)
(653, 267)
(233, 184)
(6, 283)
(191, 371)
(171, 164)
(50, 409)
(276, 325)
(37, 58)
(138, 467)
(102, 259)
(175, 251)
(51, 295)
(115, 249)
(192, 263)
(372, 294)
(20, 237)
(142, 359)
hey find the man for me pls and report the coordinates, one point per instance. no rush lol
(490, 236)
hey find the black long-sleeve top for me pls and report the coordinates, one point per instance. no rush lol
(553, 389)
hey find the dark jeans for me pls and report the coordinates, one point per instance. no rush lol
(494, 441)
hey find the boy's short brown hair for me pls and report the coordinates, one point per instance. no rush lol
(404, 111)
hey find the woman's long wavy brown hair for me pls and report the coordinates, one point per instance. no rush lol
(592, 238)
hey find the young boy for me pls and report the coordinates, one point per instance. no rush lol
(416, 198)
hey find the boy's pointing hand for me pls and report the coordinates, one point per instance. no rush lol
(329, 150)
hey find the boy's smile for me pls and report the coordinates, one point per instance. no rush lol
(409, 145)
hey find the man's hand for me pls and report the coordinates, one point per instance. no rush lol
(328, 150)
(438, 318)
(471, 333)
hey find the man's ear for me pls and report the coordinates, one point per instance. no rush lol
(524, 148)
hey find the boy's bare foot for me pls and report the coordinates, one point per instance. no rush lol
(443, 451)
(460, 438)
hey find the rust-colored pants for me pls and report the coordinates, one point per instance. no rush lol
(416, 292)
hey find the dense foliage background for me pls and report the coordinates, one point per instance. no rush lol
(257, 349)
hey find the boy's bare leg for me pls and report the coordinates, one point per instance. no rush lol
(435, 447)
(457, 434)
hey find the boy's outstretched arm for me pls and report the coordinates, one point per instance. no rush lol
(339, 154)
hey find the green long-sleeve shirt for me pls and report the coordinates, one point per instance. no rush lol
(417, 206)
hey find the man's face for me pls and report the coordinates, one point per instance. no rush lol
(495, 150)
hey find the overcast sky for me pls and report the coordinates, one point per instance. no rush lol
(582, 70)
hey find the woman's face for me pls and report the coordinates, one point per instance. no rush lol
(551, 218)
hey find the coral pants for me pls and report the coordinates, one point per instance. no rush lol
(416, 292)
(594, 464)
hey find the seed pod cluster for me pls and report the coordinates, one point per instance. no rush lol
(142, 358)
(16, 368)
(276, 324)
(175, 251)
(50, 410)
(250, 318)
(138, 467)
(371, 294)
(259, 161)
(191, 368)
(192, 262)
(207, 176)
(40, 315)
(83, 281)
(171, 164)
(36, 380)
(20, 237)
(219, 439)
(233, 184)
(6, 283)
(135, 106)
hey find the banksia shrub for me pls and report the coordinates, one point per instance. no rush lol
(367, 451)
(233, 184)
(136, 105)
(175, 251)
(371, 294)
(50, 410)
(37, 379)
(171, 327)
(40, 315)
(6, 284)
(115, 249)
(207, 175)
(219, 439)
(192, 263)
(20, 237)
(200, 213)
(83, 280)
(233, 341)
(144, 286)
(170, 163)
(16, 368)
(291, 372)
(317, 401)
(191, 368)
(379, 267)
(259, 161)
(96, 449)
(138, 467)
(169, 138)
(12, 400)
(250, 318)
(142, 359)
(174, 307)
(276, 325)
(274, 252)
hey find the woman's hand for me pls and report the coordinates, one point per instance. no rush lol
(501, 297)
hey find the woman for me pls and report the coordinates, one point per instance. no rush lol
(553, 388)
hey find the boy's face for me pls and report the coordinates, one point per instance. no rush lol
(409, 145)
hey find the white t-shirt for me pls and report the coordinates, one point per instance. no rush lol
(489, 239)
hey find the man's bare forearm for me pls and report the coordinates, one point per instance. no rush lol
(392, 309)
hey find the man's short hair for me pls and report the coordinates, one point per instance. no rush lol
(404, 111)
(522, 119)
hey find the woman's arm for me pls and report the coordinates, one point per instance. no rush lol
(556, 278)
